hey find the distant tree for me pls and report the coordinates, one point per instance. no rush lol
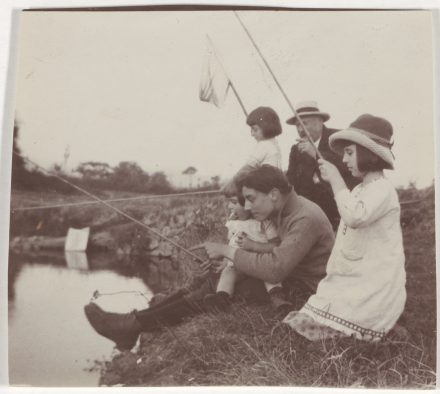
(215, 181)
(26, 177)
(19, 172)
(159, 183)
(190, 171)
(128, 175)
(57, 169)
(94, 170)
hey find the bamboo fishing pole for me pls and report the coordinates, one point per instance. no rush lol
(306, 132)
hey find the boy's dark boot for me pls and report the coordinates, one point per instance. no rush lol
(121, 328)
(124, 328)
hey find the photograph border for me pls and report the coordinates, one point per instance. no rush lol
(9, 15)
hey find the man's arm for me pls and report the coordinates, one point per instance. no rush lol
(277, 265)
(257, 247)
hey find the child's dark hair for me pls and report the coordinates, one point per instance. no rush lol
(366, 160)
(240, 198)
(238, 193)
(267, 119)
(264, 179)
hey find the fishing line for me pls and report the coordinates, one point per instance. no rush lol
(97, 294)
(149, 197)
(155, 232)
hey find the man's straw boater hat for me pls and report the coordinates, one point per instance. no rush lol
(371, 132)
(308, 108)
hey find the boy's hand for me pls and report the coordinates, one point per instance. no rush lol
(218, 265)
(214, 250)
(214, 265)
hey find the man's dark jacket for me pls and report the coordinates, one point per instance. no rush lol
(300, 174)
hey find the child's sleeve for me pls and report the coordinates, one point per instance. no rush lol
(374, 202)
(256, 158)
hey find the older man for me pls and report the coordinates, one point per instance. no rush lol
(301, 257)
(303, 171)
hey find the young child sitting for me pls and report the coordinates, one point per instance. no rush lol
(249, 234)
(265, 127)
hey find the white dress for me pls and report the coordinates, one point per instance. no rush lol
(364, 292)
(266, 152)
(263, 232)
(256, 231)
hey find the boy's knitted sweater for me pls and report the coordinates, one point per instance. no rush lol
(307, 239)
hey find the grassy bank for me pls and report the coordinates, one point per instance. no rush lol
(249, 346)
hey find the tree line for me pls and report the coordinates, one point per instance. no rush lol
(93, 175)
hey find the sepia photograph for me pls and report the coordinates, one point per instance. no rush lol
(222, 196)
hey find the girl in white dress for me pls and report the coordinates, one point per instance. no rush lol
(363, 293)
(265, 127)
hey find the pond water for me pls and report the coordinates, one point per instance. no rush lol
(51, 342)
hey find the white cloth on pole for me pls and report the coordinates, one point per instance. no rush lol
(214, 83)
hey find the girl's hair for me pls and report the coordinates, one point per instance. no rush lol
(264, 179)
(267, 119)
(366, 160)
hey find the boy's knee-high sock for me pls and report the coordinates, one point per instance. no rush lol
(168, 314)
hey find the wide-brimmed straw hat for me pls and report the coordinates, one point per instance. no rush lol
(308, 108)
(371, 132)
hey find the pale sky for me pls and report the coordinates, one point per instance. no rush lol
(118, 86)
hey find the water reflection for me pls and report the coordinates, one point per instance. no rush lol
(50, 341)
(76, 260)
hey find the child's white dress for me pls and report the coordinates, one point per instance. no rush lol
(266, 152)
(364, 292)
(256, 231)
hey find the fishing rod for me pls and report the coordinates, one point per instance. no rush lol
(150, 229)
(306, 132)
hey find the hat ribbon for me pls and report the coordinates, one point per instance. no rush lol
(375, 138)
(307, 109)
